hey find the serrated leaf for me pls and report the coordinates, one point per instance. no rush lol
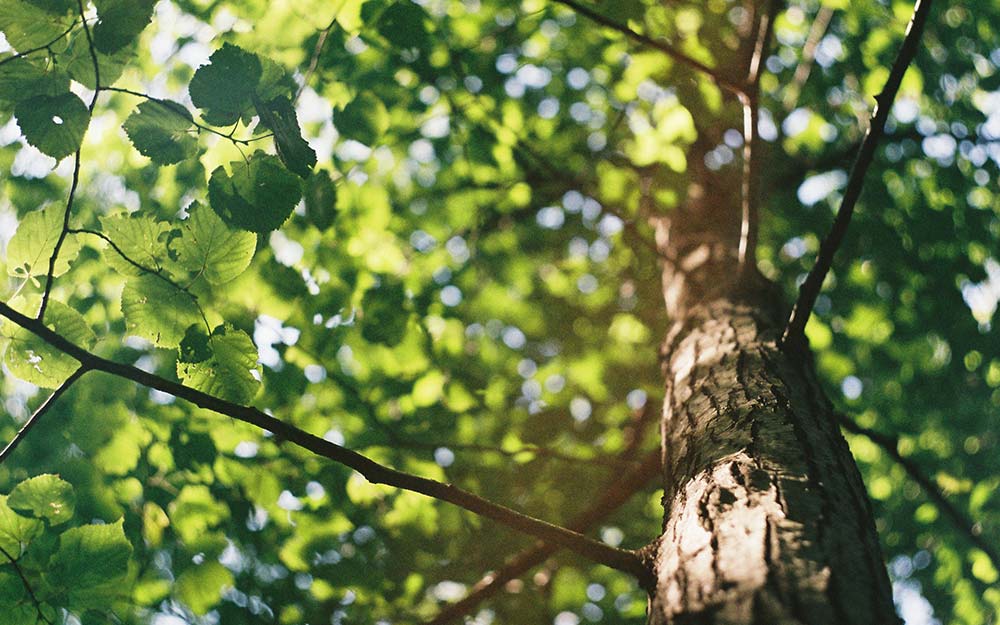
(364, 119)
(90, 556)
(30, 249)
(75, 59)
(140, 237)
(320, 199)
(223, 88)
(16, 531)
(201, 587)
(24, 78)
(53, 124)
(221, 365)
(208, 247)
(161, 130)
(29, 25)
(120, 22)
(259, 196)
(274, 80)
(33, 360)
(44, 496)
(157, 311)
(278, 114)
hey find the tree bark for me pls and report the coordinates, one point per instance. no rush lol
(766, 518)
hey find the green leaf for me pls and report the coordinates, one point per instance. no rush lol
(76, 60)
(201, 587)
(385, 317)
(15, 603)
(320, 199)
(33, 360)
(30, 249)
(23, 78)
(403, 25)
(364, 119)
(120, 22)
(223, 364)
(29, 25)
(16, 531)
(53, 124)
(58, 7)
(140, 237)
(278, 114)
(157, 311)
(90, 556)
(208, 247)
(161, 130)
(223, 88)
(274, 80)
(44, 496)
(258, 197)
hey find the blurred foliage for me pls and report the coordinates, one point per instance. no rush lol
(450, 258)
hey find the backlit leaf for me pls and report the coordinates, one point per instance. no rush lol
(208, 247)
(44, 496)
(161, 130)
(259, 196)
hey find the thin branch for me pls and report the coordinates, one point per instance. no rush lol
(27, 585)
(44, 46)
(320, 42)
(39, 413)
(810, 289)
(962, 523)
(50, 274)
(615, 496)
(620, 559)
(665, 48)
(199, 126)
(820, 23)
(749, 99)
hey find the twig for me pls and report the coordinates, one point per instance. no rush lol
(197, 125)
(962, 524)
(810, 289)
(320, 42)
(50, 275)
(27, 585)
(614, 497)
(39, 413)
(667, 49)
(820, 23)
(619, 559)
(749, 99)
(44, 46)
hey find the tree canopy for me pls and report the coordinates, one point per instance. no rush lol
(257, 252)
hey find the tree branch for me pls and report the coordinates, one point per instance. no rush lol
(962, 524)
(667, 49)
(44, 46)
(50, 274)
(620, 559)
(614, 497)
(39, 413)
(750, 100)
(810, 289)
(804, 68)
(27, 585)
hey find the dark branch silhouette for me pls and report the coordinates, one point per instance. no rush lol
(620, 559)
(39, 413)
(810, 289)
(665, 48)
(962, 523)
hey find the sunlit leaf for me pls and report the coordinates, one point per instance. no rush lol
(44, 496)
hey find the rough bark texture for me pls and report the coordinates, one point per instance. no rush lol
(766, 518)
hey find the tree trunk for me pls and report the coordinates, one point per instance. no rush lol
(766, 518)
